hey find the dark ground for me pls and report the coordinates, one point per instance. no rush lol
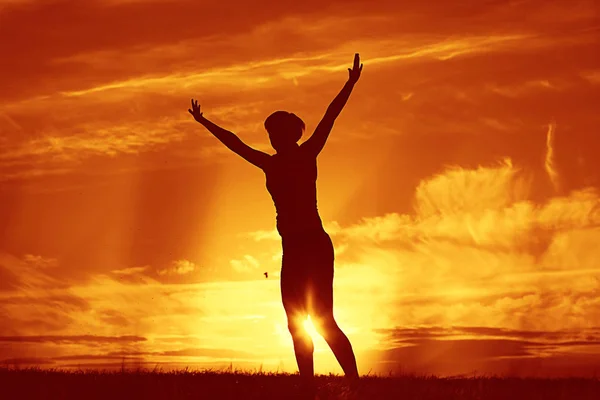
(56, 384)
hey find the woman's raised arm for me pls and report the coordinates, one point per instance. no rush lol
(317, 141)
(229, 139)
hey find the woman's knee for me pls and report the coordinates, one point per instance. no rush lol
(296, 325)
(300, 337)
(294, 328)
(326, 326)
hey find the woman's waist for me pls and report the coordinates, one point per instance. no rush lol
(302, 233)
(299, 225)
(306, 246)
(298, 216)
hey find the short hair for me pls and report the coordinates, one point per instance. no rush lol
(285, 123)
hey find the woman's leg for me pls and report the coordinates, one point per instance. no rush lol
(322, 311)
(293, 294)
(338, 342)
(303, 349)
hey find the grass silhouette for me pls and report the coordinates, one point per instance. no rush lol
(36, 383)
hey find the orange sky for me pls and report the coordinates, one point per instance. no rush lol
(460, 185)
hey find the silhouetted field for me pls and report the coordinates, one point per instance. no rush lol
(151, 385)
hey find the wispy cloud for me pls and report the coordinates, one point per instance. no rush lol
(593, 76)
(401, 334)
(108, 141)
(248, 263)
(30, 271)
(549, 161)
(39, 261)
(72, 339)
(526, 88)
(179, 267)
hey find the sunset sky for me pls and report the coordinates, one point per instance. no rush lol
(460, 185)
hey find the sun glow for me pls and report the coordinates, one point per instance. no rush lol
(310, 328)
(460, 185)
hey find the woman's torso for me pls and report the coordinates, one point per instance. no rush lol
(291, 179)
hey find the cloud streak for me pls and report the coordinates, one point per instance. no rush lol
(549, 161)
(71, 339)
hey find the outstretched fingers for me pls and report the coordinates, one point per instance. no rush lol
(195, 110)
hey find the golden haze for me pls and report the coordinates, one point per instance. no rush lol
(460, 185)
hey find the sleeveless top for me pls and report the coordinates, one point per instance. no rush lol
(291, 179)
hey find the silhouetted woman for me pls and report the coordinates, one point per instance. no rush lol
(308, 257)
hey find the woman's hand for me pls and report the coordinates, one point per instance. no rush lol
(354, 72)
(195, 110)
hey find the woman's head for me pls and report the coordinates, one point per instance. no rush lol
(284, 128)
